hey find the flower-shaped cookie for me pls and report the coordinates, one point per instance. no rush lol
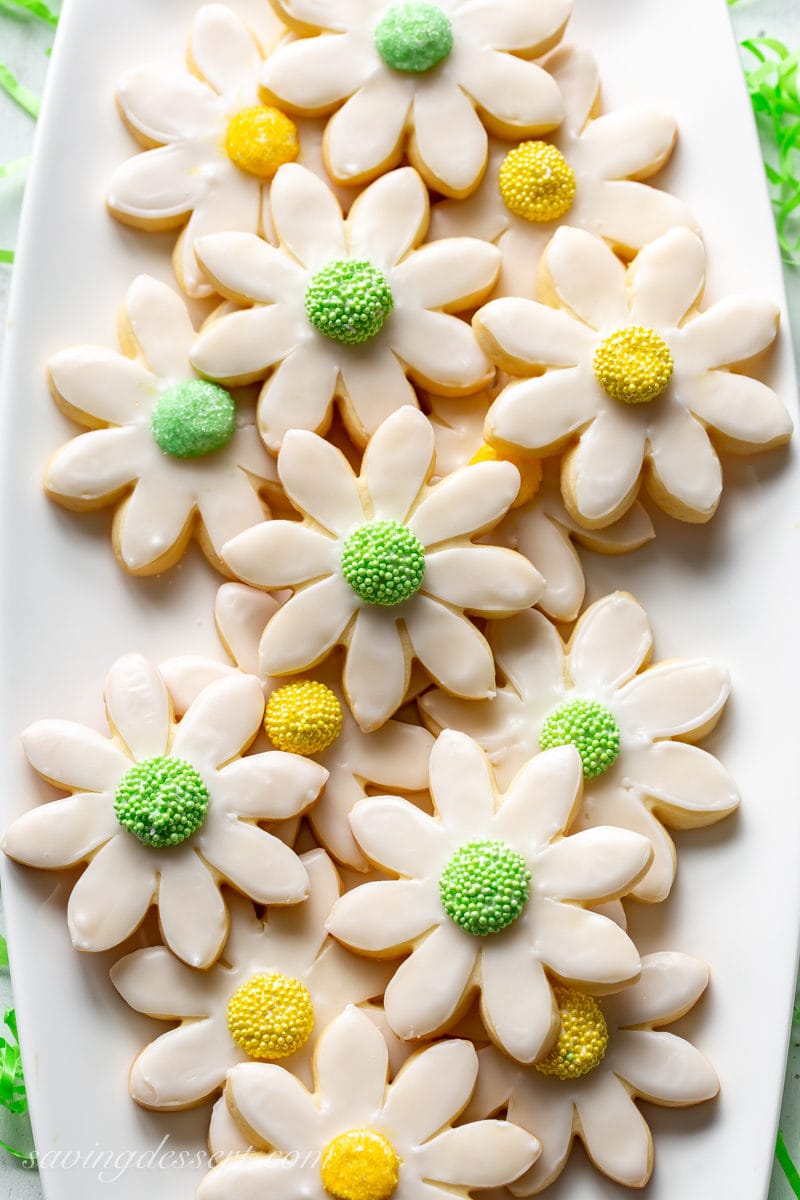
(356, 1137)
(630, 723)
(211, 145)
(587, 175)
(490, 894)
(538, 524)
(163, 813)
(305, 717)
(176, 454)
(607, 1054)
(624, 366)
(382, 549)
(421, 66)
(345, 307)
(282, 982)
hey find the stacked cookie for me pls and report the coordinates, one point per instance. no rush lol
(432, 990)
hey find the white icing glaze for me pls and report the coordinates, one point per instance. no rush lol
(540, 528)
(187, 1064)
(161, 499)
(600, 476)
(598, 1107)
(342, 70)
(325, 610)
(186, 174)
(396, 757)
(608, 156)
(655, 780)
(554, 930)
(124, 876)
(415, 1113)
(419, 339)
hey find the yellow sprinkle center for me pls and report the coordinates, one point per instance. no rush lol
(360, 1165)
(530, 470)
(536, 182)
(633, 364)
(260, 139)
(303, 718)
(270, 1016)
(583, 1037)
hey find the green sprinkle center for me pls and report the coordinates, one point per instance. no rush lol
(349, 301)
(484, 887)
(587, 726)
(414, 37)
(162, 801)
(193, 418)
(384, 562)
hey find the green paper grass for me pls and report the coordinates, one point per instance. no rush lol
(787, 1165)
(773, 87)
(36, 8)
(13, 1096)
(6, 256)
(21, 95)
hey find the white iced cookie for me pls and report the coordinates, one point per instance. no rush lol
(491, 896)
(226, 1136)
(537, 525)
(212, 145)
(419, 68)
(588, 174)
(163, 812)
(310, 716)
(355, 1138)
(385, 565)
(347, 308)
(630, 722)
(283, 980)
(624, 366)
(178, 456)
(608, 1052)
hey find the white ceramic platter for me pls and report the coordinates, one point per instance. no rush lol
(728, 590)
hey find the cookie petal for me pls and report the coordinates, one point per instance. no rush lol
(673, 699)
(611, 642)
(427, 988)
(101, 912)
(183, 1066)
(221, 721)
(430, 1091)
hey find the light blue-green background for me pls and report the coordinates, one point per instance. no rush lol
(23, 48)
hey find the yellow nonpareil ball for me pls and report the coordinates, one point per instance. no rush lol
(536, 182)
(271, 1016)
(634, 365)
(360, 1165)
(261, 139)
(303, 718)
(582, 1039)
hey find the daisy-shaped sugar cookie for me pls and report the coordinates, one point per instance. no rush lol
(177, 456)
(282, 982)
(629, 721)
(211, 145)
(348, 308)
(538, 525)
(354, 1136)
(491, 896)
(385, 564)
(163, 812)
(608, 1053)
(625, 367)
(587, 175)
(420, 67)
(309, 716)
